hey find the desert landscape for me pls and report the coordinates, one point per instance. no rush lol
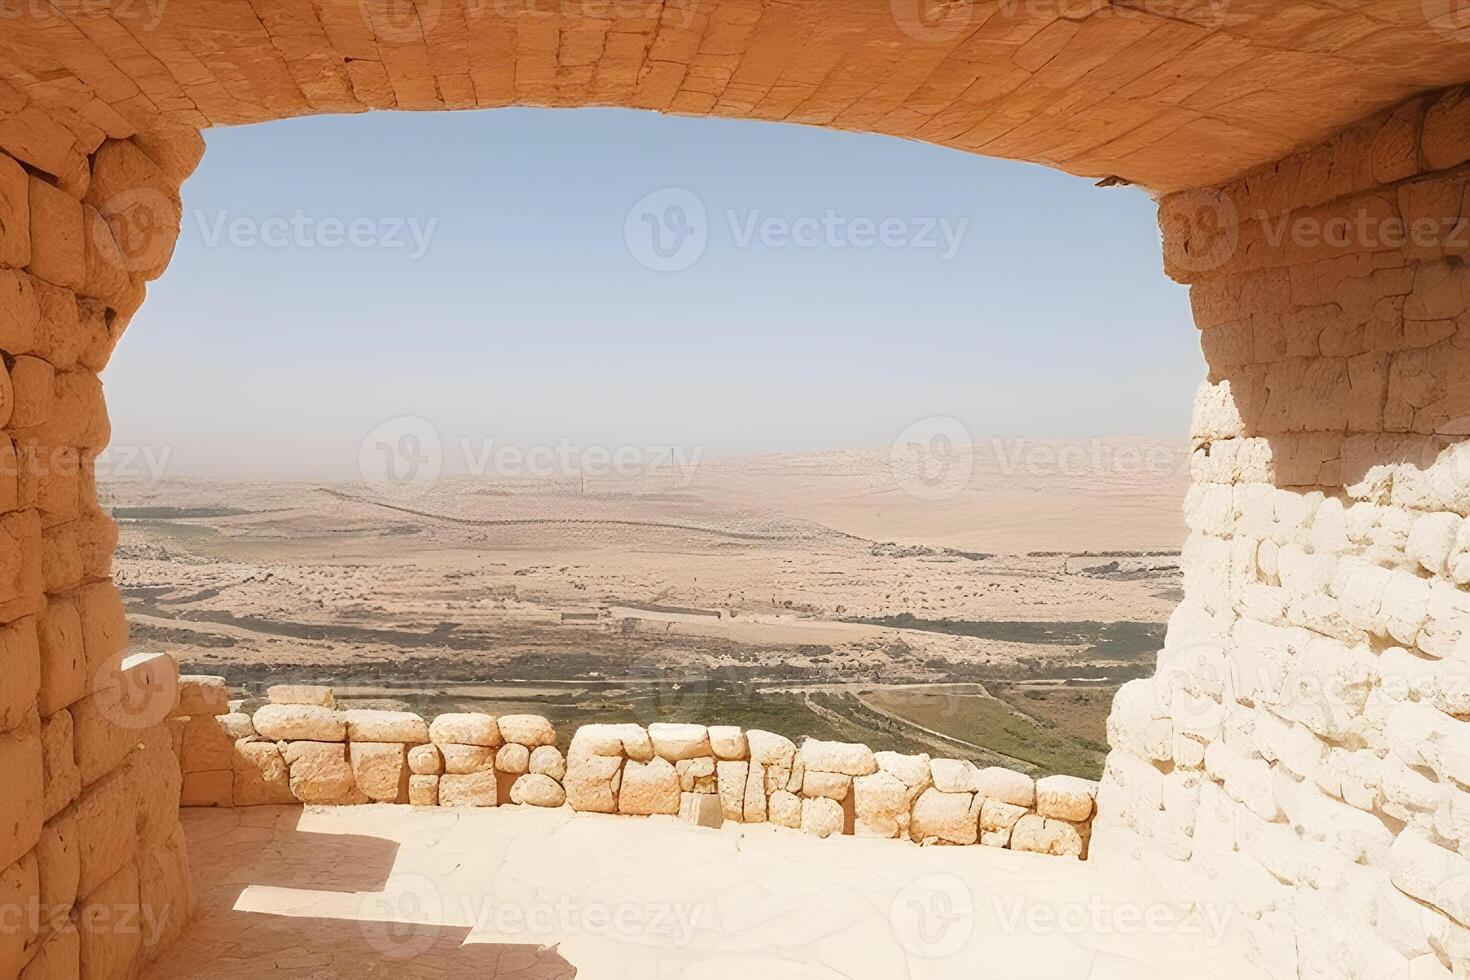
(841, 594)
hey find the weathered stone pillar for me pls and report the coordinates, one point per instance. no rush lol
(1303, 754)
(93, 876)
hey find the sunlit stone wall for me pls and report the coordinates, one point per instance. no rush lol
(93, 875)
(1304, 751)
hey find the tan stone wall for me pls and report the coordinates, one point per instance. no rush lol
(1304, 752)
(300, 748)
(93, 875)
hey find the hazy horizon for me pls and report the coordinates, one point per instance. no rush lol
(610, 280)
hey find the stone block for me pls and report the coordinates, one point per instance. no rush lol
(461, 760)
(997, 819)
(470, 789)
(731, 777)
(59, 957)
(20, 672)
(101, 744)
(465, 728)
(260, 775)
(1006, 785)
(62, 778)
(701, 810)
(426, 760)
(547, 760)
(320, 771)
(213, 787)
(236, 725)
(366, 725)
(954, 775)
(58, 242)
(592, 781)
(203, 694)
(953, 818)
(882, 803)
(535, 789)
(111, 942)
(513, 757)
(697, 775)
(15, 215)
(728, 742)
(648, 788)
(1042, 835)
(22, 800)
(63, 661)
(1065, 797)
(784, 809)
(165, 892)
(423, 790)
(822, 817)
(832, 785)
(104, 843)
(316, 695)
(381, 770)
(59, 866)
(299, 722)
(531, 731)
(841, 757)
(104, 629)
(20, 312)
(19, 893)
(770, 749)
(678, 742)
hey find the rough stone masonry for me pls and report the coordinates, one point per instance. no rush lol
(1302, 754)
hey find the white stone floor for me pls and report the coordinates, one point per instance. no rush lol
(395, 892)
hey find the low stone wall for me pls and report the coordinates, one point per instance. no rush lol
(300, 748)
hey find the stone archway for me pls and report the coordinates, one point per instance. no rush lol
(1304, 751)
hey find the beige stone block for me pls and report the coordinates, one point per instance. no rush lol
(592, 781)
(365, 725)
(20, 312)
(176, 150)
(140, 203)
(513, 758)
(299, 722)
(770, 749)
(648, 788)
(20, 672)
(59, 865)
(1434, 875)
(15, 215)
(1006, 785)
(33, 392)
(841, 757)
(104, 843)
(731, 777)
(100, 743)
(997, 820)
(312, 694)
(703, 810)
(166, 893)
(755, 793)
(470, 789)
(58, 243)
(697, 775)
(465, 728)
(1065, 797)
(20, 565)
(104, 629)
(22, 799)
(1040, 835)
(832, 785)
(821, 817)
(111, 942)
(535, 789)
(320, 771)
(954, 775)
(784, 809)
(381, 770)
(528, 730)
(728, 742)
(206, 746)
(260, 775)
(882, 802)
(675, 742)
(423, 790)
(426, 760)
(950, 817)
(460, 760)
(19, 893)
(203, 694)
(62, 778)
(215, 787)
(547, 760)
(237, 725)
(59, 957)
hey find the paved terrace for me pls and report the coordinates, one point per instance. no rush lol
(392, 891)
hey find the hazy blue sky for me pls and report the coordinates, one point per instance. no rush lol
(525, 310)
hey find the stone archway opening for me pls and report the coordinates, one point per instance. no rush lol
(1301, 755)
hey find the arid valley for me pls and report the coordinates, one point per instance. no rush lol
(841, 595)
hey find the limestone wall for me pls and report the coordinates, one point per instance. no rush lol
(299, 747)
(93, 876)
(1305, 748)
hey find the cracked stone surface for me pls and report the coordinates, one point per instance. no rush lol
(535, 893)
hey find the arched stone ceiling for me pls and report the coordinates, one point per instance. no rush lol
(1164, 93)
